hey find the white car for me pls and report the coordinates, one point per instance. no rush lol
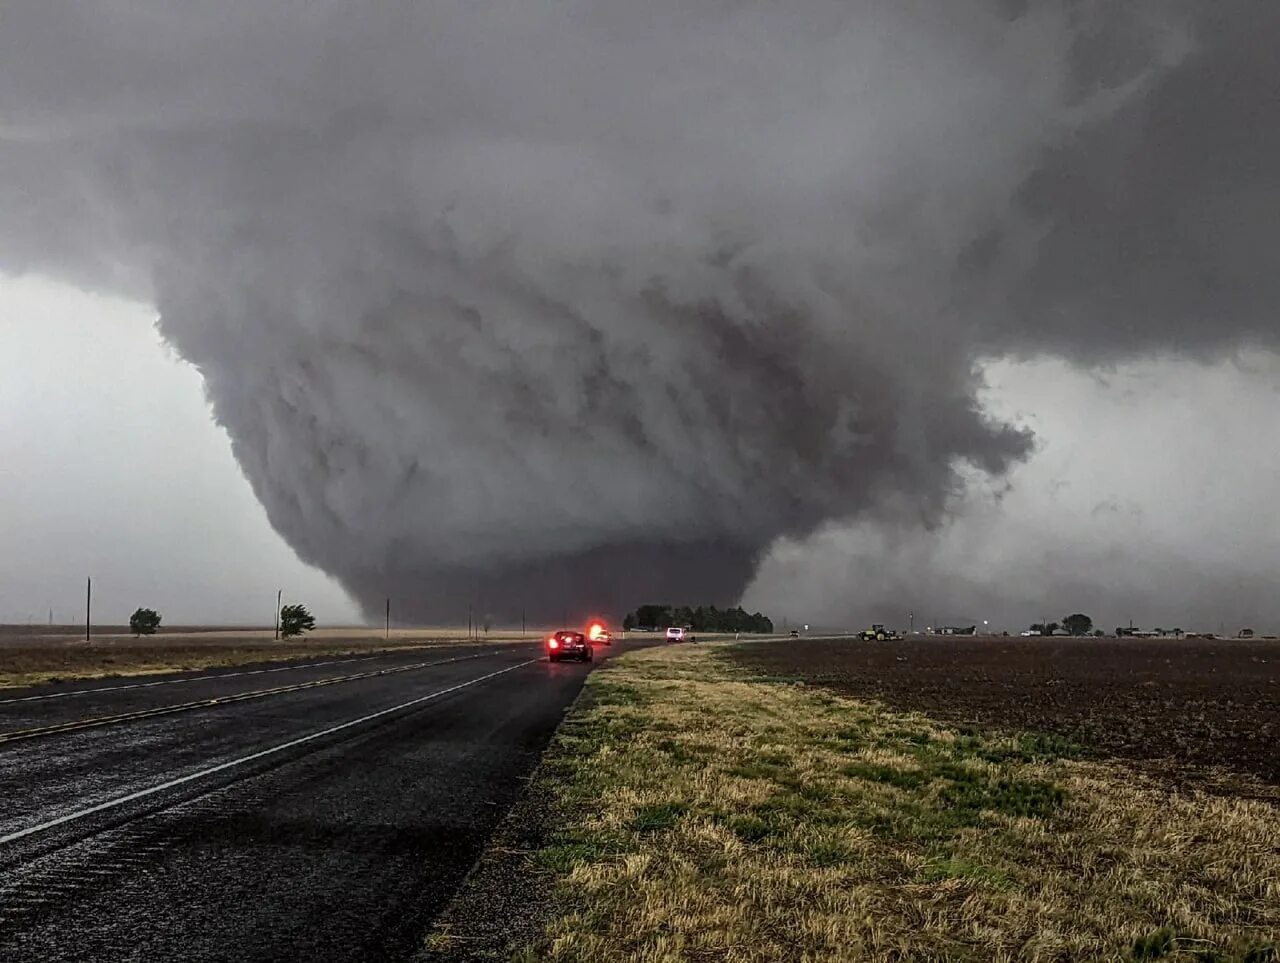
(676, 634)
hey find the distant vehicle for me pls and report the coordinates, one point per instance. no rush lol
(567, 644)
(597, 633)
(795, 633)
(680, 634)
(878, 633)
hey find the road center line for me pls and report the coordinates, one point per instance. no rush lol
(230, 764)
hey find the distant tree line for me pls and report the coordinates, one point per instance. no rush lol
(702, 619)
(1076, 624)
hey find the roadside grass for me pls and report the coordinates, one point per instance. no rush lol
(702, 814)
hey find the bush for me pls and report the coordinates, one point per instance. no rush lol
(144, 622)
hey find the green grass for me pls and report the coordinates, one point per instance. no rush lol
(707, 815)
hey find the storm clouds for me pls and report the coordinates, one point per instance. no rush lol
(549, 305)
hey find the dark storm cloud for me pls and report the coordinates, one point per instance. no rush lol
(576, 303)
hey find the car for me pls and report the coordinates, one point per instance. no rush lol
(680, 634)
(603, 638)
(568, 644)
(795, 633)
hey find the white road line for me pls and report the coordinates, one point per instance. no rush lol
(197, 678)
(190, 777)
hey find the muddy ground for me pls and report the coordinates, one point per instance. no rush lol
(1209, 707)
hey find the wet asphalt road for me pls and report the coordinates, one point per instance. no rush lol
(325, 823)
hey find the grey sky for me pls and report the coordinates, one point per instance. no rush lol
(549, 305)
(1150, 498)
(111, 467)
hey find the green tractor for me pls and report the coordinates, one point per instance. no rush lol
(878, 633)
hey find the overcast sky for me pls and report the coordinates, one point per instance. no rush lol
(1150, 497)
(565, 306)
(111, 467)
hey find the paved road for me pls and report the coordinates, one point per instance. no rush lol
(324, 812)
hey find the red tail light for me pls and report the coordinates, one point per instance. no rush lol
(552, 644)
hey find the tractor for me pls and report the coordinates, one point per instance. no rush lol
(878, 633)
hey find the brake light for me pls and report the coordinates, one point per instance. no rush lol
(553, 644)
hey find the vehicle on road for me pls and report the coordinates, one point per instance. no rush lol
(878, 633)
(680, 634)
(568, 644)
(598, 634)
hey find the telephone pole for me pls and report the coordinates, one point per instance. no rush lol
(88, 605)
(388, 618)
(279, 594)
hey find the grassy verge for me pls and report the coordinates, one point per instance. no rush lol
(705, 814)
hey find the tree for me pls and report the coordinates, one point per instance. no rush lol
(654, 616)
(1099, 634)
(707, 618)
(294, 620)
(1078, 624)
(144, 622)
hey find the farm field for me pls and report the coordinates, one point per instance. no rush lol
(34, 656)
(1211, 707)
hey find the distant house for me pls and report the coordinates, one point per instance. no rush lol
(956, 630)
(1246, 633)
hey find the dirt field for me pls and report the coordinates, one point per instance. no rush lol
(1212, 707)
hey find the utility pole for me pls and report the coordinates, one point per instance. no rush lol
(522, 627)
(88, 604)
(388, 618)
(279, 594)
(469, 623)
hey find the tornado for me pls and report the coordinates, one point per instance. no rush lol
(544, 308)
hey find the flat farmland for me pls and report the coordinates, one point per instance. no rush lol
(1209, 707)
(41, 654)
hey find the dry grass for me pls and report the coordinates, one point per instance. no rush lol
(709, 815)
(26, 662)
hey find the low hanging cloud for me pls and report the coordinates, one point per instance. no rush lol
(548, 306)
